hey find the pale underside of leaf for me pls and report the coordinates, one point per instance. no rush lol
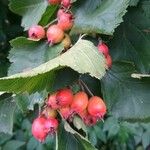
(83, 57)
(31, 11)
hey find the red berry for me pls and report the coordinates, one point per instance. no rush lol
(80, 102)
(96, 107)
(36, 32)
(66, 112)
(55, 34)
(51, 125)
(88, 119)
(65, 21)
(64, 97)
(54, 2)
(66, 3)
(52, 102)
(103, 48)
(38, 129)
(109, 61)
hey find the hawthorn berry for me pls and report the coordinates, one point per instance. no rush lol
(49, 112)
(65, 20)
(64, 97)
(66, 41)
(88, 119)
(52, 102)
(80, 102)
(66, 112)
(66, 3)
(54, 2)
(55, 34)
(38, 129)
(51, 125)
(109, 61)
(96, 107)
(36, 32)
(103, 48)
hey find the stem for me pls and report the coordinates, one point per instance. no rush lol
(81, 36)
(86, 87)
(50, 23)
(82, 88)
(56, 140)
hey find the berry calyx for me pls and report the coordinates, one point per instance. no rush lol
(103, 48)
(66, 112)
(109, 61)
(64, 97)
(80, 102)
(55, 34)
(51, 125)
(36, 32)
(65, 20)
(54, 2)
(96, 107)
(66, 3)
(88, 119)
(49, 113)
(38, 129)
(52, 102)
(66, 41)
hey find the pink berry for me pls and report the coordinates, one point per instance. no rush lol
(103, 48)
(51, 125)
(109, 61)
(66, 112)
(64, 97)
(38, 129)
(66, 3)
(96, 107)
(80, 102)
(55, 34)
(52, 102)
(36, 32)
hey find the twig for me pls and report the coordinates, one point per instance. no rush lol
(50, 23)
(86, 87)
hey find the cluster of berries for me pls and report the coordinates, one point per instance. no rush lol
(67, 105)
(42, 126)
(103, 48)
(55, 32)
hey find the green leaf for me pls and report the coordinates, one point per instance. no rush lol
(4, 138)
(7, 108)
(26, 102)
(131, 42)
(30, 54)
(13, 145)
(48, 15)
(72, 140)
(112, 126)
(3, 68)
(126, 98)
(31, 11)
(145, 6)
(133, 2)
(99, 17)
(146, 139)
(83, 57)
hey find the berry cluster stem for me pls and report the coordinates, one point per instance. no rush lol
(85, 87)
